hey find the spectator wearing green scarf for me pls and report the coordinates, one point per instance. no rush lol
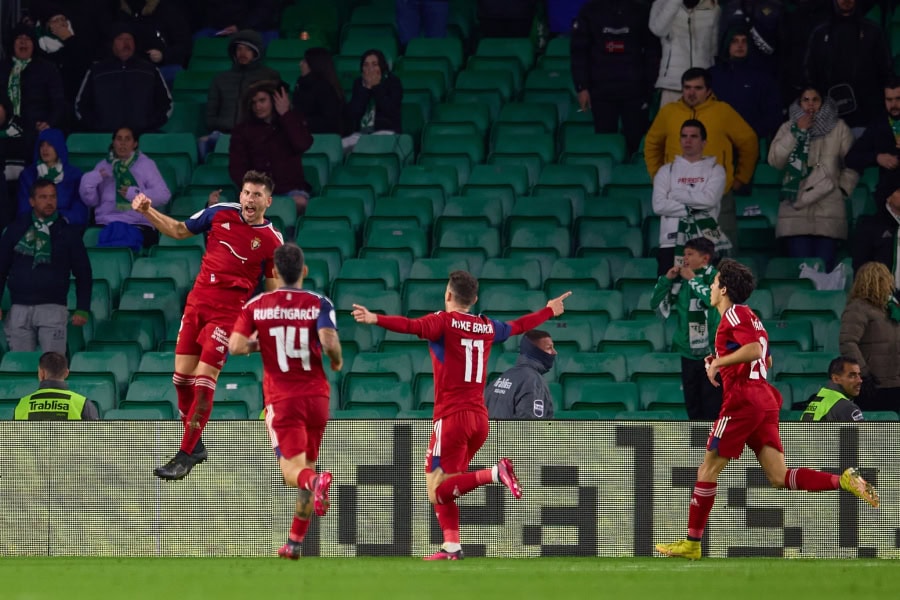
(38, 254)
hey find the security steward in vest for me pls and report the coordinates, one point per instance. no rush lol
(833, 403)
(53, 400)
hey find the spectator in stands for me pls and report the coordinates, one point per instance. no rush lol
(51, 162)
(53, 400)
(848, 57)
(870, 334)
(764, 23)
(875, 237)
(689, 33)
(161, 33)
(748, 88)
(271, 137)
(35, 89)
(418, 17)
(684, 289)
(502, 18)
(833, 402)
(227, 17)
(730, 139)
(810, 147)
(7, 209)
(521, 392)
(111, 186)
(880, 144)
(800, 22)
(687, 196)
(68, 43)
(614, 64)
(39, 251)
(247, 52)
(318, 94)
(101, 104)
(375, 104)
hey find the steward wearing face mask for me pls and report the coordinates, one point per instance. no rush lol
(521, 392)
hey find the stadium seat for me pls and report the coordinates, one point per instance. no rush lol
(239, 387)
(189, 117)
(477, 115)
(133, 412)
(570, 274)
(599, 238)
(633, 339)
(384, 302)
(449, 49)
(332, 245)
(430, 181)
(402, 213)
(404, 342)
(583, 394)
(530, 150)
(115, 362)
(156, 362)
(329, 212)
(602, 366)
(597, 307)
(245, 363)
(654, 368)
(815, 305)
(377, 274)
(368, 368)
(421, 297)
(144, 328)
(663, 395)
(530, 209)
(352, 178)
(470, 209)
(511, 274)
(176, 149)
(191, 86)
(21, 362)
(574, 181)
(544, 241)
(385, 397)
(794, 336)
(113, 265)
(762, 302)
(207, 178)
(388, 152)
(177, 270)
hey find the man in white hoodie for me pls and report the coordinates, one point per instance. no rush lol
(691, 185)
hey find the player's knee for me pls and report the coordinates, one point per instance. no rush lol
(776, 480)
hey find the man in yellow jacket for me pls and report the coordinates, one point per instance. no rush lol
(730, 139)
(53, 400)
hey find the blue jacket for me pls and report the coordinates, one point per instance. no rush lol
(752, 92)
(47, 283)
(68, 200)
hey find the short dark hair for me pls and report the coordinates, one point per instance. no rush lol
(697, 73)
(259, 178)
(536, 334)
(289, 262)
(701, 245)
(836, 367)
(134, 132)
(40, 184)
(54, 365)
(695, 123)
(464, 286)
(892, 82)
(737, 279)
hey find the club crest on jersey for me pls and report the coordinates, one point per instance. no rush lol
(255, 244)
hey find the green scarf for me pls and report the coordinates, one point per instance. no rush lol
(52, 173)
(15, 84)
(36, 241)
(367, 123)
(895, 127)
(797, 168)
(893, 309)
(122, 173)
(698, 223)
(697, 321)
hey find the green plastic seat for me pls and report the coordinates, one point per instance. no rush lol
(191, 255)
(384, 302)
(474, 237)
(101, 299)
(594, 238)
(132, 412)
(794, 336)
(232, 410)
(449, 49)
(576, 181)
(475, 208)
(189, 117)
(501, 305)
(532, 210)
(662, 395)
(633, 338)
(388, 152)
(486, 82)
(521, 49)
(245, 363)
(584, 394)
(183, 207)
(177, 270)
(21, 362)
(796, 366)
(113, 265)
(331, 211)
(387, 397)
(152, 387)
(191, 86)
(414, 241)
(113, 362)
(176, 149)
(359, 178)
(597, 366)
(240, 387)
(815, 305)
(478, 116)
(415, 179)
(323, 156)
(570, 274)
(510, 273)
(532, 151)
(762, 302)
(332, 245)
(156, 362)
(384, 274)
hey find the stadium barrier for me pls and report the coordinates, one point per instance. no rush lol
(591, 489)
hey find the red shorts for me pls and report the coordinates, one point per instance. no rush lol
(749, 417)
(205, 335)
(454, 441)
(297, 426)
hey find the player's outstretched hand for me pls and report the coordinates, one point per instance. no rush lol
(141, 203)
(712, 369)
(557, 304)
(362, 315)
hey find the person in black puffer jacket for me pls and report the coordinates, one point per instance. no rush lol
(318, 93)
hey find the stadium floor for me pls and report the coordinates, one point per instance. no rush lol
(399, 578)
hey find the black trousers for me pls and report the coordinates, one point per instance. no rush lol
(633, 112)
(702, 400)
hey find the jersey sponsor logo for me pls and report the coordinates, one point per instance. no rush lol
(48, 405)
(220, 335)
(472, 326)
(538, 407)
(501, 385)
(255, 243)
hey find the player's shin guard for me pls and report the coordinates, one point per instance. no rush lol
(204, 389)
(702, 501)
(448, 518)
(462, 484)
(810, 480)
(184, 390)
(299, 528)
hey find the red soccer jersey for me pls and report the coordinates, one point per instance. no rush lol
(288, 321)
(741, 326)
(237, 254)
(460, 344)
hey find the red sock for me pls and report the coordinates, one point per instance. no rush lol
(305, 479)
(204, 389)
(702, 501)
(298, 529)
(184, 388)
(810, 480)
(448, 518)
(462, 484)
